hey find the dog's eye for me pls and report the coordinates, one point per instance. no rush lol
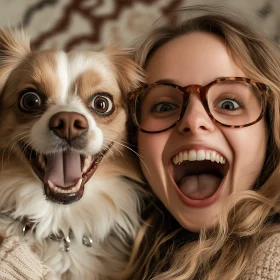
(102, 104)
(30, 101)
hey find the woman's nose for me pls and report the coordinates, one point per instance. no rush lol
(195, 118)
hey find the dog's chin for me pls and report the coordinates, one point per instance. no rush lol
(63, 198)
(57, 193)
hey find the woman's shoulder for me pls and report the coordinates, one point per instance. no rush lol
(266, 261)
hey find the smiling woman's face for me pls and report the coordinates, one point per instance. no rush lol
(191, 191)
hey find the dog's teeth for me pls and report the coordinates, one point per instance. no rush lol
(87, 163)
(42, 161)
(58, 190)
(61, 190)
(78, 185)
(52, 186)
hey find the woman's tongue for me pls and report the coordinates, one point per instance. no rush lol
(200, 186)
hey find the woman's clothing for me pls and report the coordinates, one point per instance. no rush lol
(17, 262)
(266, 262)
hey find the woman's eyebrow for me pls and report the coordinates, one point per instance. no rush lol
(171, 81)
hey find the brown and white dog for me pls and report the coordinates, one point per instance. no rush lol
(64, 166)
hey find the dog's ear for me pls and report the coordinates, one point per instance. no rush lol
(130, 75)
(14, 46)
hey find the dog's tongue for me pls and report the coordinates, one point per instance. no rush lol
(199, 186)
(63, 168)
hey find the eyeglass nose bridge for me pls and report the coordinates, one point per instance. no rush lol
(196, 89)
(192, 89)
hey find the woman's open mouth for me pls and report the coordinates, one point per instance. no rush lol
(198, 175)
(63, 173)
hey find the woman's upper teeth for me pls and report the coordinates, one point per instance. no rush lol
(198, 155)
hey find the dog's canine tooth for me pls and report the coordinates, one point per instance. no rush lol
(42, 162)
(52, 186)
(78, 185)
(87, 163)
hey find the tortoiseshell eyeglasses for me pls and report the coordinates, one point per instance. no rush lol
(230, 101)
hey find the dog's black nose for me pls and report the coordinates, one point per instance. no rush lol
(68, 125)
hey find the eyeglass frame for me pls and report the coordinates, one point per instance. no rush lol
(202, 91)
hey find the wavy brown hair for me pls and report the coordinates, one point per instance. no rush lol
(163, 249)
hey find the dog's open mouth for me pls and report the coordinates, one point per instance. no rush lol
(63, 173)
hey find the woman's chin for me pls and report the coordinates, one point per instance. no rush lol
(195, 222)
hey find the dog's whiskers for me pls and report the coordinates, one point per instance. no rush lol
(124, 144)
(24, 147)
(107, 156)
(105, 149)
(117, 149)
(16, 138)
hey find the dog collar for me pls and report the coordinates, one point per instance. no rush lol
(60, 237)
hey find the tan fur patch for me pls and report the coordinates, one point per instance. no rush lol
(130, 75)
(13, 48)
(87, 84)
(37, 73)
(90, 83)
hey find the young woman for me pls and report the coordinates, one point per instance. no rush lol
(208, 136)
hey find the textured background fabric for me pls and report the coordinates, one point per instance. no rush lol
(92, 23)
